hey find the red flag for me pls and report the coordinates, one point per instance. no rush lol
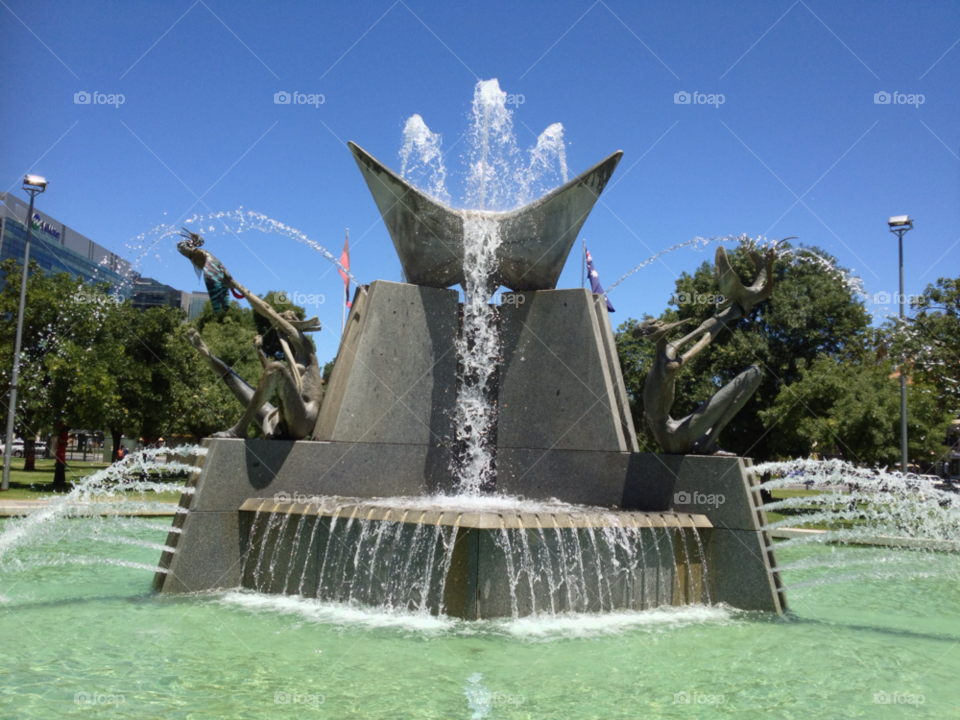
(345, 261)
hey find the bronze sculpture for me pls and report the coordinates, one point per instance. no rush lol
(697, 433)
(298, 385)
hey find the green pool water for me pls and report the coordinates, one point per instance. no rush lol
(92, 640)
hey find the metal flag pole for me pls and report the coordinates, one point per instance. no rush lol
(34, 185)
(346, 291)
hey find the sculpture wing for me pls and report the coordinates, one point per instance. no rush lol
(217, 280)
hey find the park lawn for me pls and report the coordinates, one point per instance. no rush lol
(784, 493)
(38, 485)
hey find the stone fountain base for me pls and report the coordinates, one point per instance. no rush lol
(263, 514)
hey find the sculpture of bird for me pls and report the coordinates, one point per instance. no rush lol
(215, 275)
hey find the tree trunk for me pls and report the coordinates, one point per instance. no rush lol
(117, 436)
(29, 453)
(60, 469)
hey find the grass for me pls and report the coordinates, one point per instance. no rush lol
(784, 493)
(38, 484)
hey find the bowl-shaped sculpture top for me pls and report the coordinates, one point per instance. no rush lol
(535, 239)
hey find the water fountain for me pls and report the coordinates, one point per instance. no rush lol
(469, 459)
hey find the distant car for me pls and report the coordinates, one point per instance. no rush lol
(39, 448)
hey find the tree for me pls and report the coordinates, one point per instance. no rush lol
(930, 342)
(852, 409)
(61, 376)
(812, 312)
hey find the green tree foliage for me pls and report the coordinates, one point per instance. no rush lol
(930, 342)
(852, 409)
(812, 312)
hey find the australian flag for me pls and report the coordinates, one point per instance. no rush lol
(595, 280)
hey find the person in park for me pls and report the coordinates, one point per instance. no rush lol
(298, 384)
(697, 433)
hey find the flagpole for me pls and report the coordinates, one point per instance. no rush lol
(346, 290)
(583, 265)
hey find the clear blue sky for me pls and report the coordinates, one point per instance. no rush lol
(799, 147)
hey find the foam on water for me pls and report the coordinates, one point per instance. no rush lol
(591, 625)
(533, 628)
(338, 614)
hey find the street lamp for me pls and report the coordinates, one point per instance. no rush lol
(34, 185)
(899, 225)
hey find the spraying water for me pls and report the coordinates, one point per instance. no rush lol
(106, 496)
(421, 159)
(862, 506)
(232, 222)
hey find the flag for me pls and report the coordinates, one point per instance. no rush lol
(595, 280)
(345, 261)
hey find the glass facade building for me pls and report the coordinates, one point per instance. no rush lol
(58, 248)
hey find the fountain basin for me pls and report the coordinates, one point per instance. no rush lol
(470, 562)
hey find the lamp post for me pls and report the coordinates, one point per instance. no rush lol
(899, 225)
(34, 185)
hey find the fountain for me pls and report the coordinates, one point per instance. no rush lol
(474, 460)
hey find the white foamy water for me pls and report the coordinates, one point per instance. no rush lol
(591, 625)
(338, 614)
(478, 350)
(534, 628)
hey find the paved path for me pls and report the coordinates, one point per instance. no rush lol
(16, 508)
